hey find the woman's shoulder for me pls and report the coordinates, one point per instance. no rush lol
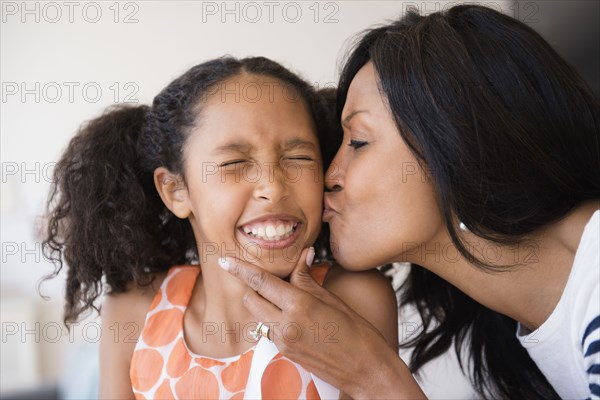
(571, 228)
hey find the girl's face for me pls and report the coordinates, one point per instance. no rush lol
(382, 207)
(253, 170)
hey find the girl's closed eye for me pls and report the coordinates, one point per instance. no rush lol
(233, 162)
(300, 158)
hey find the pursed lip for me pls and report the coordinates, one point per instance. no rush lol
(328, 210)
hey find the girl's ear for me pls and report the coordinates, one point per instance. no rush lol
(172, 191)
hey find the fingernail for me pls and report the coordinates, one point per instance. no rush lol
(310, 256)
(223, 263)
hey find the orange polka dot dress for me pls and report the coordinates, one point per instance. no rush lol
(163, 367)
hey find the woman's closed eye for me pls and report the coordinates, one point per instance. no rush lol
(357, 144)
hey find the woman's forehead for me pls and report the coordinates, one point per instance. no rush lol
(363, 96)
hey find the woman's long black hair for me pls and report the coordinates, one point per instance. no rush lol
(106, 220)
(510, 134)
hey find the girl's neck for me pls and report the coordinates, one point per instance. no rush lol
(535, 273)
(216, 323)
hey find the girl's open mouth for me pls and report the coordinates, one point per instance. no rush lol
(272, 233)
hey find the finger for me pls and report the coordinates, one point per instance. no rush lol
(272, 288)
(264, 312)
(300, 276)
(260, 308)
(303, 279)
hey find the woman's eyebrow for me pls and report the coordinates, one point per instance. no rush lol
(346, 121)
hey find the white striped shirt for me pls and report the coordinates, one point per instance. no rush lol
(566, 347)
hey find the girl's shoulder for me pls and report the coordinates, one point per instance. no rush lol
(132, 305)
(370, 294)
(123, 316)
(357, 283)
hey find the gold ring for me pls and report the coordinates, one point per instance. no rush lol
(255, 334)
(264, 331)
(261, 330)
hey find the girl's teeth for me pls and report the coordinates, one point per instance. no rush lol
(271, 232)
(280, 230)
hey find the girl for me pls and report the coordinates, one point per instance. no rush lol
(472, 151)
(226, 162)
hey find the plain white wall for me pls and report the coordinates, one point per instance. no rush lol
(59, 68)
(64, 62)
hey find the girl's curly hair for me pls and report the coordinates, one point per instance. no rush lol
(106, 219)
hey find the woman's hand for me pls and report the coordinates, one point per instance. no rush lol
(316, 329)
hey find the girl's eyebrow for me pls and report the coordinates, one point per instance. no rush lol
(246, 148)
(239, 147)
(298, 142)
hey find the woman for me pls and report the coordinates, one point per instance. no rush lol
(471, 150)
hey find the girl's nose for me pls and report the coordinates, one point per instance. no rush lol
(272, 185)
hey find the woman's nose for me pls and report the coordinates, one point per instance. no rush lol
(334, 176)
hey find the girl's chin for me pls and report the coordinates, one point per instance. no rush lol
(281, 269)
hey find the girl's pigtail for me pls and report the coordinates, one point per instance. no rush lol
(105, 216)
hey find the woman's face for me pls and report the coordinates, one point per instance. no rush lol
(381, 207)
(254, 175)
